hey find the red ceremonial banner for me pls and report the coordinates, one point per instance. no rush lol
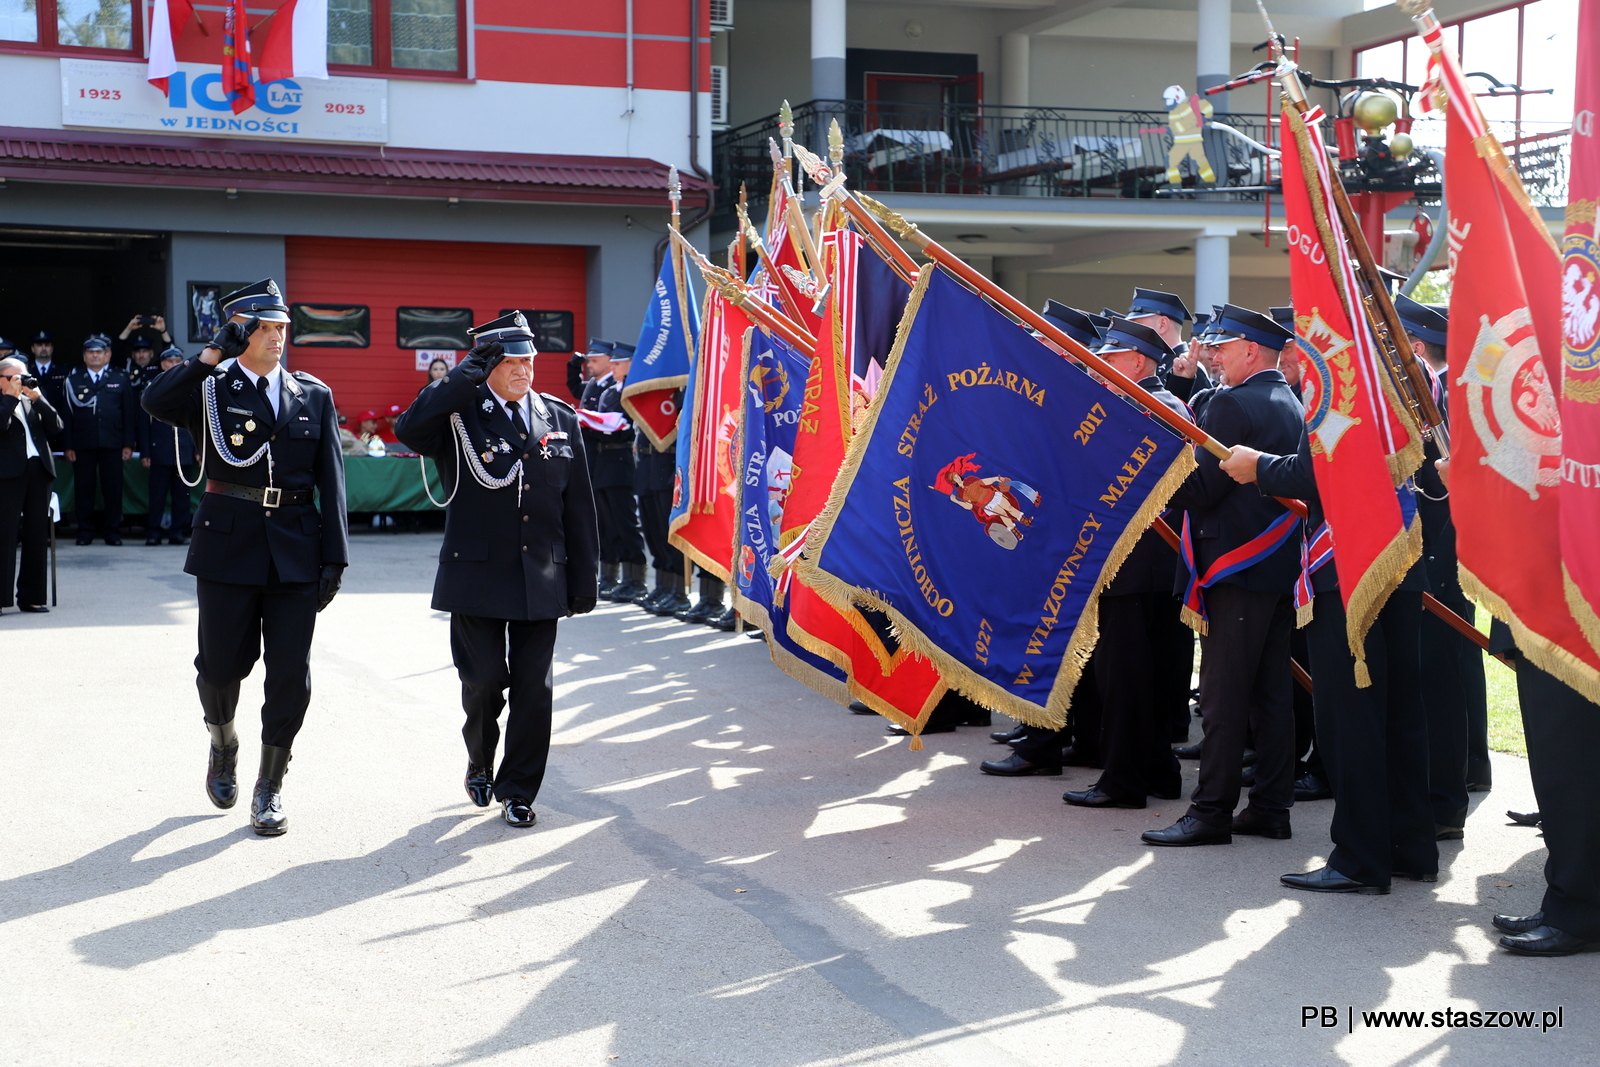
(1580, 341)
(1347, 405)
(824, 428)
(1504, 352)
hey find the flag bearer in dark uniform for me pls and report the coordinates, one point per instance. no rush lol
(1374, 738)
(99, 432)
(652, 483)
(51, 372)
(166, 452)
(27, 470)
(1455, 696)
(265, 560)
(1138, 613)
(521, 549)
(1244, 668)
(611, 467)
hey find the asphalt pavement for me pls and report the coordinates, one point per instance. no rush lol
(727, 869)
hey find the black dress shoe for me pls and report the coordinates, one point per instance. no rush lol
(1014, 766)
(1175, 794)
(724, 622)
(1518, 924)
(1547, 941)
(1016, 733)
(222, 782)
(858, 708)
(1189, 751)
(114, 541)
(704, 611)
(1095, 797)
(480, 785)
(1071, 757)
(1414, 876)
(517, 812)
(1478, 787)
(1328, 880)
(1521, 818)
(1254, 824)
(34, 609)
(932, 728)
(1188, 831)
(1311, 786)
(1448, 833)
(670, 605)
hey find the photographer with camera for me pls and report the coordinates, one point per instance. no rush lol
(27, 422)
(136, 352)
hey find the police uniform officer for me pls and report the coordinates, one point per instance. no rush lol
(165, 452)
(1245, 683)
(1455, 696)
(142, 365)
(653, 474)
(265, 559)
(98, 433)
(611, 468)
(521, 549)
(51, 372)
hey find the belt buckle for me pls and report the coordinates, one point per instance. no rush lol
(271, 496)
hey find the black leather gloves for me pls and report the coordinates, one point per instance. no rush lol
(480, 361)
(328, 587)
(580, 605)
(234, 337)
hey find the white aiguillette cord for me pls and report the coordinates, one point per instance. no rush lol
(479, 473)
(213, 432)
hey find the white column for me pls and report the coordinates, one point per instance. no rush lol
(827, 49)
(1210, 271)
(1014, 69)
(1213, 48)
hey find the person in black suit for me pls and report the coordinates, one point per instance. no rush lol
(98, 434)
(27, 422)
(164, 454)
(265, 560)
(521, 549)
(1245, 680)
(610, 455)
(51, 372)
(1374, 738)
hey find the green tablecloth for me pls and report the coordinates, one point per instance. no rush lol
(388, 484)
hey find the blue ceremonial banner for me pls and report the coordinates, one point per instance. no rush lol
(993, 490)
(664, 354)
(774, 379)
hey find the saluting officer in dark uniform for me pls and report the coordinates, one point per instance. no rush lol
(1455, 696)
(99, 432)
(611, 467)
(166, 452)
(521, 549)
(1245, 681)
(265, 560)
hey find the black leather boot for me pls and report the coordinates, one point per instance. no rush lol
(609, 579)
(727, 621)
(710, 605)
(674, 600)
(632, 584)
(648, 600)
(266, 807)
(222, 782)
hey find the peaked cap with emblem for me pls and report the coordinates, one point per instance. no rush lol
(621, 350)
(1074, 323)
(262, 299)
(173, 352)
(1244, 324)
(1155, 302)
(1125, 335)
(1422, 320)
(510, 331)
(1283, 316)
(96, 343)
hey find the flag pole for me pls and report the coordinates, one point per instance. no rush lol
(762, 313)
(765, 259)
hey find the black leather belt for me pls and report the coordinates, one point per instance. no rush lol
(267, 498)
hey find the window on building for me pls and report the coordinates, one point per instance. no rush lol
(432, 327)
(101, 25)
(552, 330)
(330, 325)
(1530, 44)
(413, 36)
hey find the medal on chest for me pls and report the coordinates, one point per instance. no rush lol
(236, 440)
(249, 425)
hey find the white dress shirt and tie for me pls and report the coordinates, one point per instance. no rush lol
(27, 421)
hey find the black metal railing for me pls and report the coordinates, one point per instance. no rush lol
(987, 149)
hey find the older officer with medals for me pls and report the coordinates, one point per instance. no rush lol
(521, 549)
(265, 559)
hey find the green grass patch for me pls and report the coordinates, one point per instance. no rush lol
(1505, 710)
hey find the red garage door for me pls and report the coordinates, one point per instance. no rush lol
(345, 291)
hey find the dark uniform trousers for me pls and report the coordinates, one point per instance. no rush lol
(98, 469)
(1082, 730)
(491, 656)
(1455, 700)
(1307, 754)
(164, 481)
(1563, 734)
(653, 486)
(25, 515)
(1137, 755)
(620, 539)
(1173, 643)
(240, 622)
(1245, 689)
(1374, 741)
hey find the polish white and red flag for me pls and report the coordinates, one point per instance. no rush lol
(167, 19)
(297, 42)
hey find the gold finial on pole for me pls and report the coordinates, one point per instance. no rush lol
(786, 128)
(836, 146)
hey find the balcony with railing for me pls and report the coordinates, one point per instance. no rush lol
(990, 150)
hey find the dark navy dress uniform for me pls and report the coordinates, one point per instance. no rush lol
(1374, 740)
(52, 382)
(171, 452)
(515, 559)
(1245, 681)
(653, 475)
(25, 482)
(99, 421)
(612, 470)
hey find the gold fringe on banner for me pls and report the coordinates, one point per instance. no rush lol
(723, 570)
(1371, 593)
(963, 679)
(1539, 650)
(1585, 615)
